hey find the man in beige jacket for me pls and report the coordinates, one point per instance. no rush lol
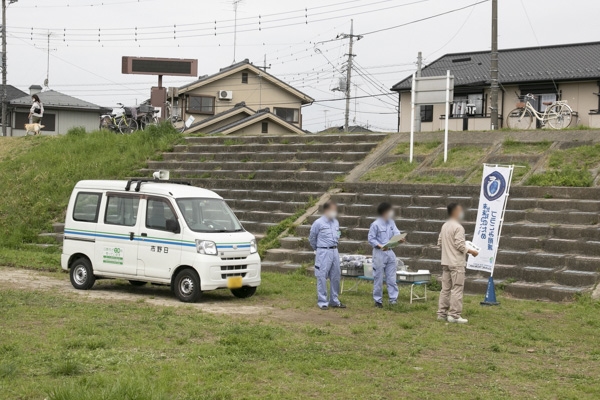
(454, 252)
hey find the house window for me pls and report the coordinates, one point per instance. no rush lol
(265, 127)
(288, 114)
(467, 104)
(244, 77)
(48, 120)
(427, 113)
(201, 105)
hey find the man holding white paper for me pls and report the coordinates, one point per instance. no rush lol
(383, 235)
(454, 251)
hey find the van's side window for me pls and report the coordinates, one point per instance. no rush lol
(157, 213)
(121, 210)
(86, 207)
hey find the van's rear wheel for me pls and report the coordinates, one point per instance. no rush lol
(82, 274)
(137, 283)
(187, 286)
(244, 292)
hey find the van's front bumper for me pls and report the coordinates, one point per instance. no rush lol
(214, 271)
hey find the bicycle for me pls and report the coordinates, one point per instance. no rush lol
(174, 119)
(557, 114)
(148, 116)
(121, 122)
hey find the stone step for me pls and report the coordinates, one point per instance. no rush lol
(288, 139)
(58, 227)
(56, 237)
(321, 166)
(257, 228)
(292, 147)
(268, 195)
(270, 156)
(257, 184)
(426, 231)
(516, 228)
(261, 216)
(514, 203)
(452, 190)
(559, 276)
(276, 175)
(248, 205)
(511, 215)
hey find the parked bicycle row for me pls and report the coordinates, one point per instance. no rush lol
(126, 120)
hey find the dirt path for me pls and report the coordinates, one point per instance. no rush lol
(217, 302)
(108, 290)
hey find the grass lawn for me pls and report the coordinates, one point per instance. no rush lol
(569, 167)
(460, 157)
(441, 178)
(511, 146)
(419, 149)
(61, 345)
(392, 172)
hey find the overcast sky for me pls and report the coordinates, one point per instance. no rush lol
(89, 37)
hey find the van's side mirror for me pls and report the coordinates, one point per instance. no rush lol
(173, 226)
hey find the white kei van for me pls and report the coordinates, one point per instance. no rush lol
(160, 232)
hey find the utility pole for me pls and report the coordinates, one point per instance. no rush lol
(4, 94)
(418, 108)
(48, 50)
(349, 65)
(494, 69)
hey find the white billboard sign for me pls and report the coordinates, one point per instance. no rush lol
(431, 90)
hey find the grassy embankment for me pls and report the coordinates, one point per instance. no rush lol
(38, 175)
(574, 167)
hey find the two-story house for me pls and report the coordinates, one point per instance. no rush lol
(242, 99)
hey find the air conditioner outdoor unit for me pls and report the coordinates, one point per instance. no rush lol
(225, 95)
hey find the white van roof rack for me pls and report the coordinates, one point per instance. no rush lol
(140, 181)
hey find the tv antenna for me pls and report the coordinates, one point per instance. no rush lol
(236, 3)
(48, 50)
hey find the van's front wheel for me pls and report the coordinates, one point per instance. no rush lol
(244, 292)
(187, 286)
(82, 274)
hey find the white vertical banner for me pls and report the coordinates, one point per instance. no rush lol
(490, 216)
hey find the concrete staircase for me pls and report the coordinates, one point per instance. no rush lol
(266, 179)
(550, 245)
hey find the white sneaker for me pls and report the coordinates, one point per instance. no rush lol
(442, 319)
(458, 320)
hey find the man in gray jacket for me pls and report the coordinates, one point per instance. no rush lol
(454, 252)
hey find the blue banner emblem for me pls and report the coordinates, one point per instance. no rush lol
(494, 186)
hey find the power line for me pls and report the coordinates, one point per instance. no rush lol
(425, 19)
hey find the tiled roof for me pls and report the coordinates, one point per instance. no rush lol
(523, 65)
(12, 93)
(54, 99)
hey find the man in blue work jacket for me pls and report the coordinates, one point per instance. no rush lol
(384, 259)
(324, 237)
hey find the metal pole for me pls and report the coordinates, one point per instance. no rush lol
(412, 117)
(4, 93)
(418, 107)
(349, 78)
(494, 68)
(447, 114)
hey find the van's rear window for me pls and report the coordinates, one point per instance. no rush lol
(86, 207)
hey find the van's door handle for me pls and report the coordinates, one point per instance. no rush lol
(131, 236)
(144, 235)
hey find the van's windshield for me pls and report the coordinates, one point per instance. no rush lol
(208, 215)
